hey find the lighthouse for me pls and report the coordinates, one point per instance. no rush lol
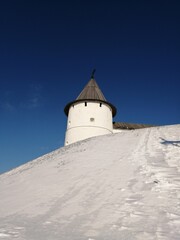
(89, 115)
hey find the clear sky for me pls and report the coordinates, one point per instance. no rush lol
(48, 50)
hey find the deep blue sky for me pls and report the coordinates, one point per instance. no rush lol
(48, 50)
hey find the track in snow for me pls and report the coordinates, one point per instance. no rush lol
(122, 186)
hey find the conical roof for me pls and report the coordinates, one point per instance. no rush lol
(93, 93)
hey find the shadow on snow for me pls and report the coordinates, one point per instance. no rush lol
(167, 142)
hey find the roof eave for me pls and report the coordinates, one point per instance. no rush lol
(66, 109)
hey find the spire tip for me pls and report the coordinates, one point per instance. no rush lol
(92, 74)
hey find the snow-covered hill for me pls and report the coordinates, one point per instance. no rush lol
(113, 187)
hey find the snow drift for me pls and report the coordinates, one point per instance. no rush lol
(120, 186)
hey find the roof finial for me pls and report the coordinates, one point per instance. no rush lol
(92, 74)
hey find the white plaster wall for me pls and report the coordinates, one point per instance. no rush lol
(117, 130)
(88, 121)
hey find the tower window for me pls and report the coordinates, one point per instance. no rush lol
(100, 104)
(85, 104)
(92, 119)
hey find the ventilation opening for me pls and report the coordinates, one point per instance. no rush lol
(85, 104)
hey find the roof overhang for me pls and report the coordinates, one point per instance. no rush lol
(66, 109)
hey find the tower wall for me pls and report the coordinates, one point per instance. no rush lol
(87, 119)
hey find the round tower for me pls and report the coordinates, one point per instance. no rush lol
(89, 115)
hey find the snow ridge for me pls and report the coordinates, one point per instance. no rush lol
(120, 186)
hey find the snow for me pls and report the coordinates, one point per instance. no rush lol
(119, 186)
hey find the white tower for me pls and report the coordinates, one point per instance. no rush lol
(89, 115)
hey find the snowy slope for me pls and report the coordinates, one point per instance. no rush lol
(113, 187)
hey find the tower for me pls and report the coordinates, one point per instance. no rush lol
(89, 115)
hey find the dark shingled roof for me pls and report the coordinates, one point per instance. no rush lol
(92, 93)
(130, 126)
